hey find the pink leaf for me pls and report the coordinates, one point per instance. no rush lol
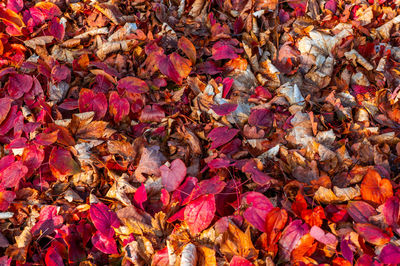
(119, 107)
(227, 85)
(105, 244)
(240, 261)
(199, 214)
(257, 210)
(224, 109)
(319, 234)
(104, 219)
(173, 176)
(161, 257)
(331, 5)
(140, 196)
(132, 85)
(15, 5)
(221, 135)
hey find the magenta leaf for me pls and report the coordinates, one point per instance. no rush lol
(104, 219)
(48, 221)
(224, 50)
(53, 258)
(258, 206)
(15, 5)
(56, 29)
(262, 118)
(258, 176)
(221, 136)
(346, 250)
(391, 211)
(104, 243)
(173, 176)
(199, 213)
(390, 254)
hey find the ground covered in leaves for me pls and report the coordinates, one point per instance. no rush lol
(199, 132)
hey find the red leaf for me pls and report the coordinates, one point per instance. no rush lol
(210, 186)
(32, 157)
(152, 113)
(133, 85)
(104, 219)
(258, 176)
(56, 29)
(160, 257)
(173, 176)
(53, 258)
(5, 105)
(140, 196)
(188, 48)
(60, 73)
(257, 210)
(224, 50)
(221, 135)
(105, 244)
(224, 109)
(62, 164)
(239, 261)
(19, 84)
(185, 189)
(167, 68)
(46, 138)
(49, 9)
(199, 213)
(6, 198)
(119, 107)
(275, 221)
(372, 234)
(12, 173)
(91, 101)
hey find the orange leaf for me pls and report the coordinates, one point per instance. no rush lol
(314, 217)
(188, 48)
(299, 204)
(374, 188)
(305, 248)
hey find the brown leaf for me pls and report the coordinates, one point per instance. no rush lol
(235, 242)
